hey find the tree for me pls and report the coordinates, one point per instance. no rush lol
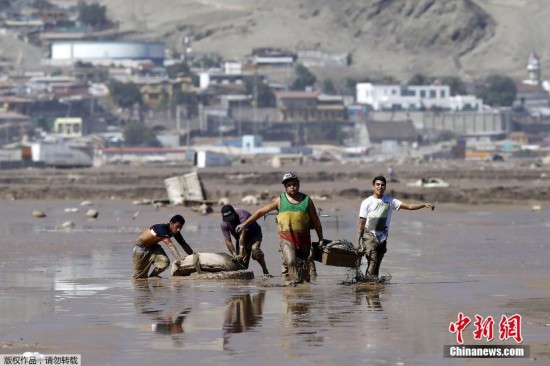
(125, 95)
(264, 94)
(498, 90)
(455, 84)
(137, 134)
(189, 100)
(93, 14)
(175, 70)
(304, 78)
(329, 88)
(419, 79)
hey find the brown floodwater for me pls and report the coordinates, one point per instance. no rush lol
(68, 291)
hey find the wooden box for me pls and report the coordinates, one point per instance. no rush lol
(339, 258)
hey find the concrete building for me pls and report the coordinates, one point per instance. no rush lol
(414, 97)
(106, 52)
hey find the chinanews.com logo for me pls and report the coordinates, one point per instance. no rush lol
(509, 328)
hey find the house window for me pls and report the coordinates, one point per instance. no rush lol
(422, 94)
(432, 94)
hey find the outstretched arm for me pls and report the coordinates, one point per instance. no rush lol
(183, 243)
(172, 248)
(273, 205)
(416, 206)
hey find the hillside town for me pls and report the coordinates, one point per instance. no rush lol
(81, 95)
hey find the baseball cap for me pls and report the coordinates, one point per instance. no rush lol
(289, 176)
(228, 213)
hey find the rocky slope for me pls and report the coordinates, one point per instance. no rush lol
(469, 38)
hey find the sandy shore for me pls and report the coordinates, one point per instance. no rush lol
(523, 181)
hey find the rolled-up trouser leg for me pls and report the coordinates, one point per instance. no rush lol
(142, 261)
(381, 249)
(370, 243)
(159, 260)
(258, 255)
(289, 259)
(312, 269)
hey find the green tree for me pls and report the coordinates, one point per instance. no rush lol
(264, 94)
(455, 84)
(125, 95)
(329, 88)
(189, 100)
(498, 90)
(419, 79)
(93, 14)
(137, 134)
(348, 86)
(304, 78)
(178, 69)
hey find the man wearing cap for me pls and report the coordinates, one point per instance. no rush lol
(297, 214)
(148, 253)
(247, 242)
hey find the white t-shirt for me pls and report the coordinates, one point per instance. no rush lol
(378, 214)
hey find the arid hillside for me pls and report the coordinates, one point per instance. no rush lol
(469, 38)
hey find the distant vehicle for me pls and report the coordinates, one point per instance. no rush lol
(59, 156)
(429, 183)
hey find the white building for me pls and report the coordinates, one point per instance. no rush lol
(414, 97)
(106, 52)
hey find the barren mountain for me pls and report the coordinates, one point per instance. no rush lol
(469, 38)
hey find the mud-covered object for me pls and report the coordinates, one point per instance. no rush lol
(340, 253)
(205, 262)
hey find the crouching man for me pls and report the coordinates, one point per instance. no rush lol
(247, 242)
(148, 253)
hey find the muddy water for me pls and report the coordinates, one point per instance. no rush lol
(69, 290)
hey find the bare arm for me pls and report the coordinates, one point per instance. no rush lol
(172, 248)
(230, 247)
(416, 206)
(274, 205)
(183, 243)
(315, 220)
(360, 232)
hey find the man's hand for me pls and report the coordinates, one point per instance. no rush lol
(240, 228)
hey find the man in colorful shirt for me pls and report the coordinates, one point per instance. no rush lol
(148, 253)
(247, 242)
(297, 215)
(374, 224)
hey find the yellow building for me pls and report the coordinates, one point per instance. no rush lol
(68, 127)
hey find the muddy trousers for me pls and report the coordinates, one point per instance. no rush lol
(147, 257)
(252, 249)
(295, 261)
(374, 253)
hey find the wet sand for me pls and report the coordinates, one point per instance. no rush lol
(69, 291)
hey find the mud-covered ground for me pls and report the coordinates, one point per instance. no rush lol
(522, 181)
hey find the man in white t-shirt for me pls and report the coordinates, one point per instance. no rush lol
(374, 224)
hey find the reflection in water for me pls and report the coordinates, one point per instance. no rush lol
(165, 321)
(370, 293)
(243, 313)
(301, 317)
